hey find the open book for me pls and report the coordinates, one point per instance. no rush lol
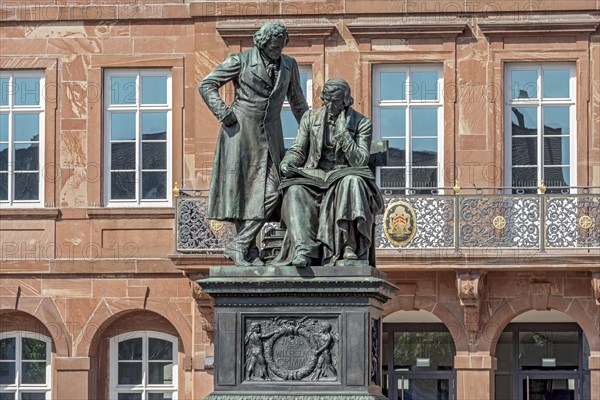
(322, 179)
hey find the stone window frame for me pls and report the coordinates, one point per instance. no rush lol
(539, 103)
(407, 104)
(144, 388)
(95, 109)
(29, 388)
(138, 108)
(507, 46)
(46, 172)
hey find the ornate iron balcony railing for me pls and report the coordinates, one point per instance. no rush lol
(459, 222)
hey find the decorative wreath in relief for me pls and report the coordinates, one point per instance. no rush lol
(296, 375)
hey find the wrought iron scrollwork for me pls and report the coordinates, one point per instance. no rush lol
(499, 221)
(572, 221)
(195, 233)
(551, 221)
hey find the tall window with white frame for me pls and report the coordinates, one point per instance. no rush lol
(408, 113)
(143, 366)
(288, 121)
(25, 366)
(21, 138)
(540, 125)
(137, 137)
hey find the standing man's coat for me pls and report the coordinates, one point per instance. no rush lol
(237, 187)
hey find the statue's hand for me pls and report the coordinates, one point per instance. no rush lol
(285, 170)
(341, 123)
(230, 119)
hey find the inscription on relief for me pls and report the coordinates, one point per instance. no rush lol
(291, 352)
(291, 349)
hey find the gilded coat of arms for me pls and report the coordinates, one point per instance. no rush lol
(400, 223)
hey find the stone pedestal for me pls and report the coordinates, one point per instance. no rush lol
(305, 334)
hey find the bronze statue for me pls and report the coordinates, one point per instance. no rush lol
(245, 175)
(330, 197)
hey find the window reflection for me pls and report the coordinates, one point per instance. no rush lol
(154, 89)
(424, 85)
(555, 83)
(436, 347)
(524, 84)
(393, 86)
(534, 347)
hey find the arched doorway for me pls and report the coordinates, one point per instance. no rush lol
(418, 357)
(542, 355)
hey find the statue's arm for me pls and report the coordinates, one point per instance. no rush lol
(326, 345)
(209, 87)
(357, 150)
(297, 154)
(294, 94)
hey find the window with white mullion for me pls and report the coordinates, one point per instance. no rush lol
(21, 138)
(540, 126)
(138, 137)
(408, 112)
(25, 366)
(144, 367)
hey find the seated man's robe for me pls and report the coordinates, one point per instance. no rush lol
(321, 221)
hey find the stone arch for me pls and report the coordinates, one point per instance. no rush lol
(43, 310)
(508, 310)
(454, 325)
(108, 312)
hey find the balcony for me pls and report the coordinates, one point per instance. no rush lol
(461, 222)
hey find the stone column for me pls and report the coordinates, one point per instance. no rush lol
(72, 378)
(474, 376)
(595, 375)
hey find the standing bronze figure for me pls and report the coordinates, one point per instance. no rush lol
(245, 175)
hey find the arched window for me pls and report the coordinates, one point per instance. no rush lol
(143, 366)
(24, 366)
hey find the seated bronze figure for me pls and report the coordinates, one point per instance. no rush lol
(330, 195)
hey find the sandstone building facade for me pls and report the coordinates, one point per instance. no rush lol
(492, 114)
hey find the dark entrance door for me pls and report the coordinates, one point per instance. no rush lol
(542, 361)
(418, 362)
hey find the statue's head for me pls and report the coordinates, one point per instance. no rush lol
(271, 38)
(325, 327)
(255, 327)
(336, 95)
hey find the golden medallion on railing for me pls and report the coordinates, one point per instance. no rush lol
(400, 223)
(585, 222)
(499, 222)
(216, 226)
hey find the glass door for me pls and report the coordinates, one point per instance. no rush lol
(542, 361)
(418, 362)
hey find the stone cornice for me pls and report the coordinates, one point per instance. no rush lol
(29, 213)
(130, 212)
(531, 24)
(305, 29)
(407, 26)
